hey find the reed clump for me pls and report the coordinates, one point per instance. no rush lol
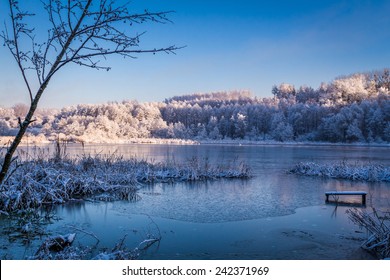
(344, 170)
(41, 180)
(377, 225)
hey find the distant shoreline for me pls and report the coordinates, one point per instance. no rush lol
(36, 140)
(290, 143)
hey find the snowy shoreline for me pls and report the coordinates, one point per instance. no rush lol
(36, 140)
(290, 143)
(39, 140)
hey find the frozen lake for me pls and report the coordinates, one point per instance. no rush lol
(274, 215)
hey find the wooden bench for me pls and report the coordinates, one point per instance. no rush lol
(337, 193)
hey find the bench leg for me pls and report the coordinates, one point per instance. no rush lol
(363, 199)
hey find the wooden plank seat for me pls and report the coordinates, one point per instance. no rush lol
(338, 193)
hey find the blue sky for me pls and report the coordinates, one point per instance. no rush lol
(231, 45)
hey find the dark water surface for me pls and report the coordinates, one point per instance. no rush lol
(274, 215)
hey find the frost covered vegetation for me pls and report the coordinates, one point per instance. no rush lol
(30, 226)
(377, 225)
(59, 248)
(349, 109)
(38, 182)
(344, 170)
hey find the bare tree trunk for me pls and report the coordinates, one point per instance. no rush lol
(22, 130)
(34, 103)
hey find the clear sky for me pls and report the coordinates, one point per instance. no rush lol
(231, 45)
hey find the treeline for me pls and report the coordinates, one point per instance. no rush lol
(353, 108)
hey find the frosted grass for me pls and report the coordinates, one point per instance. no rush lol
(37, 182)
(344, 170)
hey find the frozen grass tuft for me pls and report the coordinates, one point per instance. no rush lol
(377, 225)
(344, 170)
(37, 182)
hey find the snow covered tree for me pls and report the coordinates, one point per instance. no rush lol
(78, 31)
(284, 91)
(381, 80)
(20, 109)
(347, 90)
(386, 132)
(281, 129)
(344, 126)
(307, 94)
(240, 125)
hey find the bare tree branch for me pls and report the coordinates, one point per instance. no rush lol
(79, 31)
(13, 43)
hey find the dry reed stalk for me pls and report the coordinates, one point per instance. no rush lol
(378, 228)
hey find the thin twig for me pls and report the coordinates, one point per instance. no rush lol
(86, 232)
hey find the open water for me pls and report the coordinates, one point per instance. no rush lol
(274, 215)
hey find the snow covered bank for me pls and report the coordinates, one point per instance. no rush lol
(244, 142)
(27, 140)
(41, 139)
(344, 170)
(37, 182)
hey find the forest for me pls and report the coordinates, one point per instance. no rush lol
(349, 109)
